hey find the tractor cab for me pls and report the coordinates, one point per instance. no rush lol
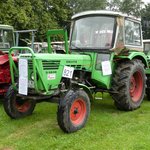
(6, 37)
(105, 31)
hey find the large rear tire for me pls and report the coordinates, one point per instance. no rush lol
(16, 107)
(129, 84)
(73, 111)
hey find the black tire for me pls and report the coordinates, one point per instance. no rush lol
(129, 84)
(73, 111)
(15, 107)
(148, 88)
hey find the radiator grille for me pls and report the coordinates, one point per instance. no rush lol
(51, 65)
(76, 66)
(30, 64)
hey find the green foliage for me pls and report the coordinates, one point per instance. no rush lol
(114, 5)
(82, 5)
(106, 129)
(35, 14)
(131, 7)
(146, 22)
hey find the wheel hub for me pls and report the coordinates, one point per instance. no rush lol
(22, 106)
(132, 86)
(77, 111)
(136, 86)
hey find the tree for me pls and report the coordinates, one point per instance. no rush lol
(146, 21)
(35, 14)
(131, 7)
(82, 5)
(114, 5)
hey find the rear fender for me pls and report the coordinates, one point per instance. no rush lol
(136, 55)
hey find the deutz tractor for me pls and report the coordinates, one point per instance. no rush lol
(105, 54)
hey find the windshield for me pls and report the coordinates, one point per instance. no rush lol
(95, 32)
(6, 39)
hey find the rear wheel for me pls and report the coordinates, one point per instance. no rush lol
(16, 107)
(73, 111)
(129, 85)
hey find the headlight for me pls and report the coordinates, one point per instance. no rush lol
(32, 76)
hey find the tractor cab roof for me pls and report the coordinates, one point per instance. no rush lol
(2, 26)
(103, 12)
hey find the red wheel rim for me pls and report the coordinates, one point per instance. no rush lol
(78, 111)
(22, 106)
(136, 86)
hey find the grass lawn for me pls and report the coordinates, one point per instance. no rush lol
(106, 129)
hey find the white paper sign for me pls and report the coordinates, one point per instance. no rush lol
(68, 72)
(23, 76)
(106, 68)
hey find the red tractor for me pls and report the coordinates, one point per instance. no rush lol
(7, 40)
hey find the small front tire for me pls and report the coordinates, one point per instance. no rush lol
(16, 107)
(73, 111)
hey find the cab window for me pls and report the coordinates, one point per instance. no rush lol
(132, 33)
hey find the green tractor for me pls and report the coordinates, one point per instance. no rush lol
(105, 54)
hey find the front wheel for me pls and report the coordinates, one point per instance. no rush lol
(16, 107)
(73, 111)
(129, 84)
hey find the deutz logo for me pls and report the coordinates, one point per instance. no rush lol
(71, 61)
